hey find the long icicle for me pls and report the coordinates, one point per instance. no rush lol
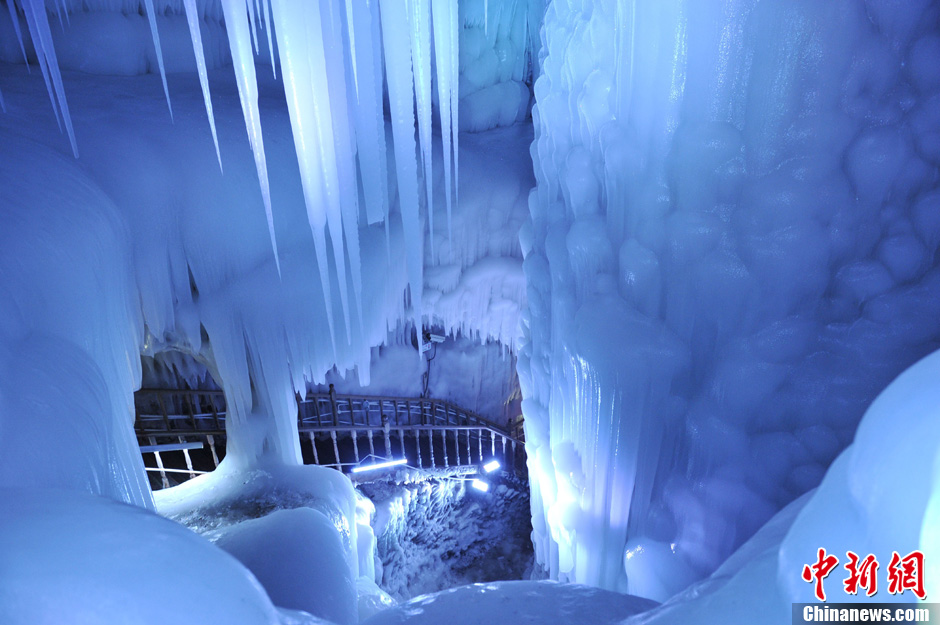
(38, 22)
(379, 65)
(351, 28)
(369, 114)
(253, 11)
(152, 18)
(268, 27)
(327, 110)
(294, 34)
(239, 39)
(342, 100)
(395, 38)
(19, 32)
(443, 43)
(195, 33)
(421, 59)
(455, 99)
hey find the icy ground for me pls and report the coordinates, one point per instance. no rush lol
(516, 603)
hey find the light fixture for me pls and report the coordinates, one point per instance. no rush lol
(491, 466)
(480, 485)
(379, 465)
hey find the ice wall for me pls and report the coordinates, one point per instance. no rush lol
(866, 503)
(68, 362)
(731, 251)
(498, 60)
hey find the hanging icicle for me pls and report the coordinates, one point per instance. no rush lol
(11, 6)
(445, 46)
(38, 22)
(236, 24)
(420, 14)
(396, 40)
(195, 34)
(152, 18)
(336, 58)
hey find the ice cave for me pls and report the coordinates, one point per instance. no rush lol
(469, 311)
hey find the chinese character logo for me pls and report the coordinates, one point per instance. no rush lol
(820, 571)
(904, 574)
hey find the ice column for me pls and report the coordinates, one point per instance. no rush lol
(732, 249)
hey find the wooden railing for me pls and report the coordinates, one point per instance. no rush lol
(431, 433)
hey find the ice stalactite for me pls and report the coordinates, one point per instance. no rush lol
(195, 33)
(293, 33)
(344, 193)
(237, 27)
(38, 21)
(420, 11)
(152, 19)
(16, 29)
(363, 18)
(395, 37)
(445, 49)
(268, 28)
(335, 102)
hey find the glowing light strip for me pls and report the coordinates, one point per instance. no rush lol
(480, 485)
(379, 465)
(491, 466)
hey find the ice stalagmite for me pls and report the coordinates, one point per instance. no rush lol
(195, 33)
(395, 38)
(38, 22)
(444, 48)
(152, 18)
(294, 32)
(239, 39)
(420, 11)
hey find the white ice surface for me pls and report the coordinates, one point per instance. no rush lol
(299, 559)
(515, 603)
(70, 557)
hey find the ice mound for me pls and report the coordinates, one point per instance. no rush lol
(214, 501)
(298, 557)
(70, 557)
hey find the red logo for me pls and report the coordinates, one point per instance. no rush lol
(905, 573)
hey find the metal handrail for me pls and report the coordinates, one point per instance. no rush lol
(182, 413)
